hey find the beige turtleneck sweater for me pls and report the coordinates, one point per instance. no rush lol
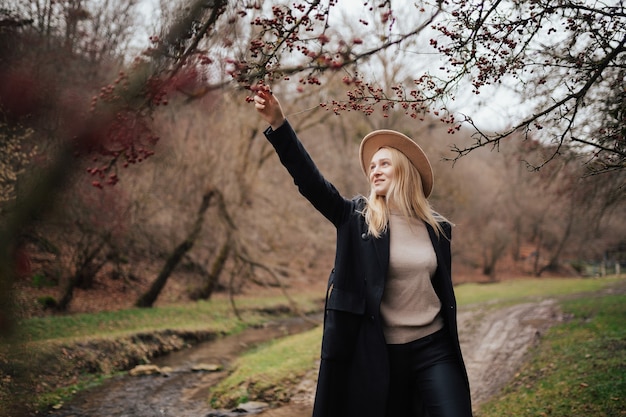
(410, 307)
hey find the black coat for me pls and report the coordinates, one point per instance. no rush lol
(354, 374)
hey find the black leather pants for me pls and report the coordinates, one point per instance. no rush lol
(425, 375)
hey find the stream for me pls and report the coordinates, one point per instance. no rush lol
(182, 392)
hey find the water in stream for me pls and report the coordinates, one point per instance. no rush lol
(182, 392)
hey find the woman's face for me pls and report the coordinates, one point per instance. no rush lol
(381, 172)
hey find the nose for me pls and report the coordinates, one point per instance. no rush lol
(374, 175)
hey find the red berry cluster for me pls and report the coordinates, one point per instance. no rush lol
(125, 136)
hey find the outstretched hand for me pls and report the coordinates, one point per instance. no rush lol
(269, 107)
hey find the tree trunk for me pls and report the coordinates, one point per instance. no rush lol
(150, 296)
(536, 270)
(492, 255)
(83, 277)
(553, 264)
(216, 270)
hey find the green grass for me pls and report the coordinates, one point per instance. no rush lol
(578, 370)
(528, 289)
(215, 315)
(268, 371)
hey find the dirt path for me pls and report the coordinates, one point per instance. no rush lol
(494, 342)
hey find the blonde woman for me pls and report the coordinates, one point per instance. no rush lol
(390, 345)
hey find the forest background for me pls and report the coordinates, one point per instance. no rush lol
(135, 171)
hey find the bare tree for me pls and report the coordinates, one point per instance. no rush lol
(558, 210)
(150, 296)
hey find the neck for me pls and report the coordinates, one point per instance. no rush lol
(393, 208)
(391, 205)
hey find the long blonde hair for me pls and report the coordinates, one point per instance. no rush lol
(407, 194)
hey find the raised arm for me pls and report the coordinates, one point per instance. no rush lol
(311, 184)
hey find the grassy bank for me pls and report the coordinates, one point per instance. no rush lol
(216, 315)
(270, 371)
(516, 291)
(578, 369)
(266, 374)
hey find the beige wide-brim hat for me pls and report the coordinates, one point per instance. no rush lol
(377, 139)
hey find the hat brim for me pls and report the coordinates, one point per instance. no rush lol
(377, 139)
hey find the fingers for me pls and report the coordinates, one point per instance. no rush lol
(263, 99)
(260, 89)
(264, 95)
(268, 106)
(264, 89)
(259, 102)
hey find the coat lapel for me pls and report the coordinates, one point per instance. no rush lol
(381, 245)
(434, 239)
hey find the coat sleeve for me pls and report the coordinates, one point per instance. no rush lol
(310, 182)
